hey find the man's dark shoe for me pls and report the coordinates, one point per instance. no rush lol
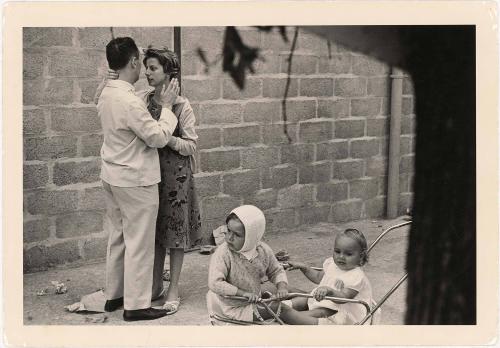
(143, 314)
(113, 305)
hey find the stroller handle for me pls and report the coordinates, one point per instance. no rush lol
(385, 232)
(298, 294)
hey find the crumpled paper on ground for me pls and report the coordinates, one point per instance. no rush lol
(92, 303)
(42, 292)
(60, 287)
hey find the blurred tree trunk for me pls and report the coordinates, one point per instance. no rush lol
(441, 259)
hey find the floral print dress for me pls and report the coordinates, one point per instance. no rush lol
(178, 224)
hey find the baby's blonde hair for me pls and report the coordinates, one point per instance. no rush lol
(359, 237)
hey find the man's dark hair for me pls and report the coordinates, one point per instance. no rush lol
(119, 51)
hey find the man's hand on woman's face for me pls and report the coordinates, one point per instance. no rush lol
(169, 93)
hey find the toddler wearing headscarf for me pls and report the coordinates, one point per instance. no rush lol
(239, 266)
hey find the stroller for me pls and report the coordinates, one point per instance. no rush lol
(373, 310)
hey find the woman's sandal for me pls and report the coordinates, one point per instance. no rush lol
(172, 306)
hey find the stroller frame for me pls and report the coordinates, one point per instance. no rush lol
(370, 310)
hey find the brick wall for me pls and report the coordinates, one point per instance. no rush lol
(334, 169)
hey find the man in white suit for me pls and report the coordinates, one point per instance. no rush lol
(130, 174)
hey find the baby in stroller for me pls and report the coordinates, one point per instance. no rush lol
(343, 277)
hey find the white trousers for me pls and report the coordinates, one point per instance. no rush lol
(130, 223)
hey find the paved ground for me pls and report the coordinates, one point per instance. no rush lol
(311, 244)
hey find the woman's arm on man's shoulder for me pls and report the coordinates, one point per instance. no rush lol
(110, 75)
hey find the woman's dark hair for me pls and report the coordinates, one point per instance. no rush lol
(360, 239)
(168, 59)
(119, 51)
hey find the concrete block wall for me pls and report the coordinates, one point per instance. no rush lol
(333, 170)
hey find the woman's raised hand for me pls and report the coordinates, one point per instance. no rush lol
(169, 93)
(111, 75)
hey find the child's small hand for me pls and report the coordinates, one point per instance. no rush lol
(320, 293)
(252, 298)
(281, 293)
(339, 284)
(297, 265)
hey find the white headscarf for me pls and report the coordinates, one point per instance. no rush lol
(254, 221)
